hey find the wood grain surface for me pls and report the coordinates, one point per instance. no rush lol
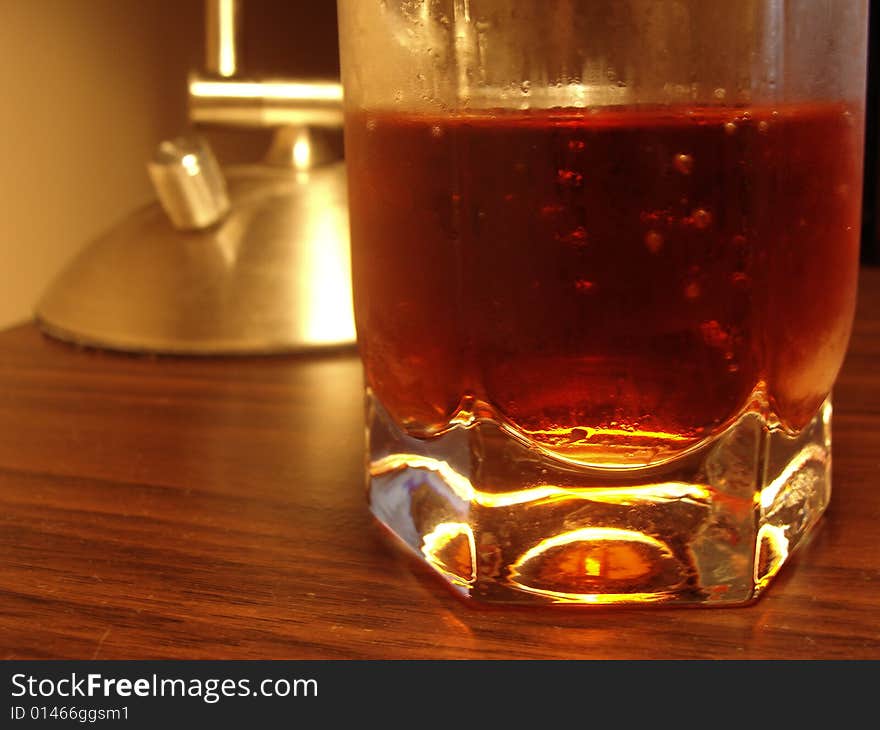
(214, 508)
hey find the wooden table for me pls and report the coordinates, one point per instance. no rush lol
(214, 508)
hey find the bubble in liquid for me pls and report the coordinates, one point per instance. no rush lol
(701, 218)
(715, 335)
(653, 241)
(552, 209)
(739, 277)
(570, 178)
(584, 285)
(733, 367)
(738, 240)
(763, 127)
(692, 290)
(436, 130)
(371, 124)
(730, 128)
(576, 145)
(576, 237)
(683, 163)
(720, 93)
(525, 87)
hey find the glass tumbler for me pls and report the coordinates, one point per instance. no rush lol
(604, 261)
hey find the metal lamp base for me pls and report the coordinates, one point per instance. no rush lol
(273, 276)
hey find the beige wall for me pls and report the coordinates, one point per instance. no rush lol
(88, 88)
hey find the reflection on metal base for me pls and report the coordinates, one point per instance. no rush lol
(273, 276)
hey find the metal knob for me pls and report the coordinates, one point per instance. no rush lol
(189, 183)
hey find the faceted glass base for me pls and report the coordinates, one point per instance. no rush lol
(501, 521)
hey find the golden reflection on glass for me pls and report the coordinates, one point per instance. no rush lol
(595, 556)
(813, 452)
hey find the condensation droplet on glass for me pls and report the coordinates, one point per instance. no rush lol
(653, 241)
(701, 218)
(730, 128)
(739, 277)
(738, 240)
(683, 163)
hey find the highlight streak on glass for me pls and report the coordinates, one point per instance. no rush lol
(771, 551)
(463, 489)
(440, 538)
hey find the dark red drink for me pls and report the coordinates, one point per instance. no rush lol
(623, 282)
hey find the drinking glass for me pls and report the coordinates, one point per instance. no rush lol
(604, 263)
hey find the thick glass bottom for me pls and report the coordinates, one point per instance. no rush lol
(503, 522)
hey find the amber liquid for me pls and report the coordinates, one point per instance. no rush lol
(620, 283)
